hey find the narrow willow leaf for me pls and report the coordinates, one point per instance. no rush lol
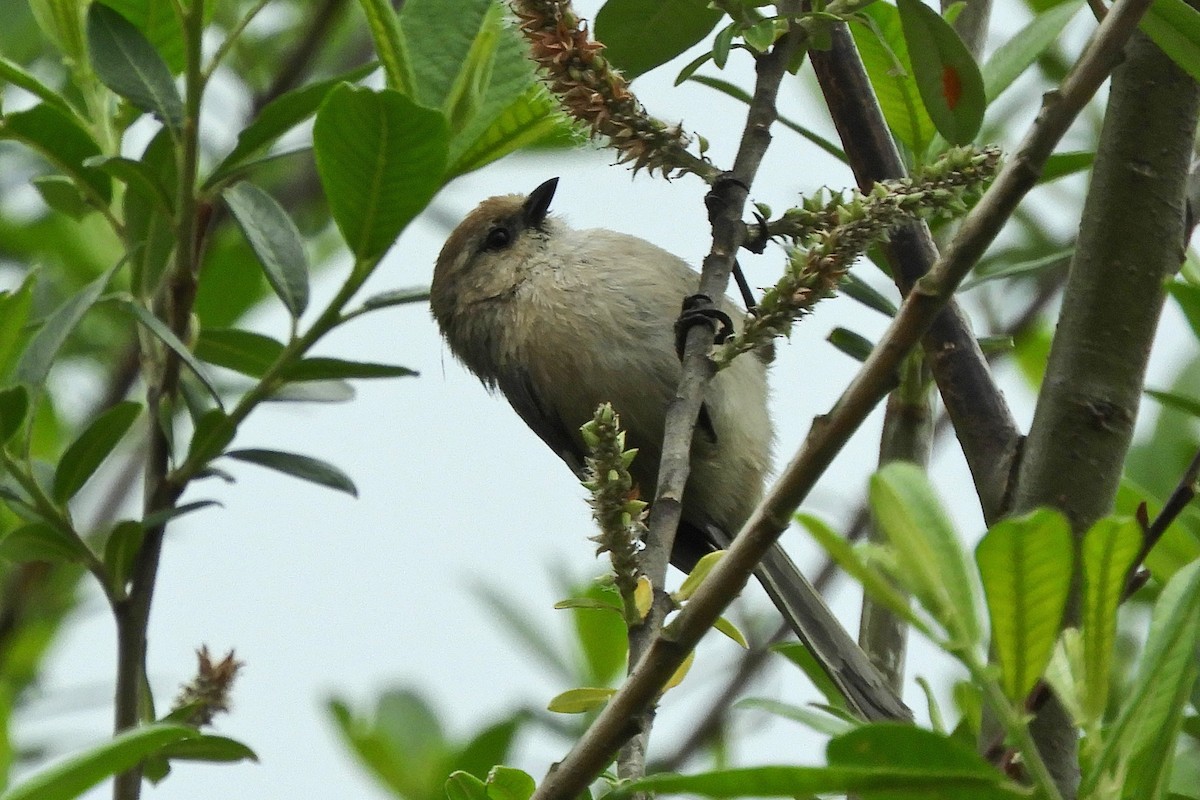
(313, 392)
(397, 297)
(241, 351)
(947, 76)
(929, 557)
(43, 349)
(1174, 26)
(85, 455)
(70, 778)
(299, 466)
(852, 344)
(803, 658)
(381, 159)
(276, 241)
(681, 672)
(15, 307)
(139, 176)
(577, 701)
(640, 35)
(1166, 665)
(211, 437)
(323, 369)
(1060, 165)
(63, 141)
(14, 404)
(1025, 564)
(1015, 55)
(819, 721)
(1179, 402)
(129, 65)
(14, 73)
(385, 33)
(121, 549)
(856, 288)
(1109, 550)
(209, 747)
(168, 337)
(729, 629)
(62, 22)
(1033, 266)
(277, 118)
(149, 224)
(587, 602)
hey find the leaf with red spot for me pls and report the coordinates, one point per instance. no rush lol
(947, 76)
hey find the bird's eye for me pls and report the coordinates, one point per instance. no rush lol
(497, 238)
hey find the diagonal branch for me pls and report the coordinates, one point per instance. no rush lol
(613, 726)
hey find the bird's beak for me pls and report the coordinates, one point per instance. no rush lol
(537, 204)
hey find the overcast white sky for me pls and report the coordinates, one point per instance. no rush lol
(324, 595)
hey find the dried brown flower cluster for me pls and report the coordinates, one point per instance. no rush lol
(829, 232)
(208, 693)
(596, 94)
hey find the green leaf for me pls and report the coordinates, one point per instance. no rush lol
(1188, 298)
(1060, 165)
(1188, 405)
(61, 194)
(704, 566)
(209, 747)
(14, 315)
(71, 778)
(313, 392)
(381, 158)
(852, 344)
(168, 337)
(1174, 26)
(640, 35)
(732, 631)
(139, 176)
(1166, 670)
(1025, 564)
(819, 721)
(63, 142)
(277, 118)
(241, 351)
(880, 41)
(506, 783)
(465, 786)
(874, 583)
(1109, 551)
(323, 369)
(803, 658)
(150, 225)
(276, 241)
(157, 20)
(14, 404)
(1016, 54)
(856, 288)
(947, 76)
(602, 638)
(580, 701)
(62, 22)
(1179, 546)
(489, 746)
(396, 297)
(85, 455)
(875, 761)
(39, 541)
(211, 437)
(121, 549)
(165, 515)
(127, 63)
(929, 558)
(298, 466)
(14, 73)
(385, 33)
(1034, 266)
(587, 602)
(42, 350)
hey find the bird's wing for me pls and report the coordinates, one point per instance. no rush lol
(541, 417)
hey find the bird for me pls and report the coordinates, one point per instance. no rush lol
(560, 320)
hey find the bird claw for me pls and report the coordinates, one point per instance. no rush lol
(699, 310)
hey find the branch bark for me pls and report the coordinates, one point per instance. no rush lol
(1132, 237)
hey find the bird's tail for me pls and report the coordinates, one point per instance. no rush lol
(815, 625)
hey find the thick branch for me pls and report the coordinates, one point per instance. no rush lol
(986, 430)
(1131, 238)
(612, 727)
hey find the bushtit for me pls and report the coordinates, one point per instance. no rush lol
(561, 320)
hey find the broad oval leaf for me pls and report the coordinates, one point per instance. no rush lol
(1025, 564)
(381, 159)
(276, 241)
(930, 559)
(1109, 551)
(580, 701)
(128, 64)
(508, 783)
(947, 76)
(640, 35)
(298, 466)
(71, 778)
(85, 455)
(462, 785)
